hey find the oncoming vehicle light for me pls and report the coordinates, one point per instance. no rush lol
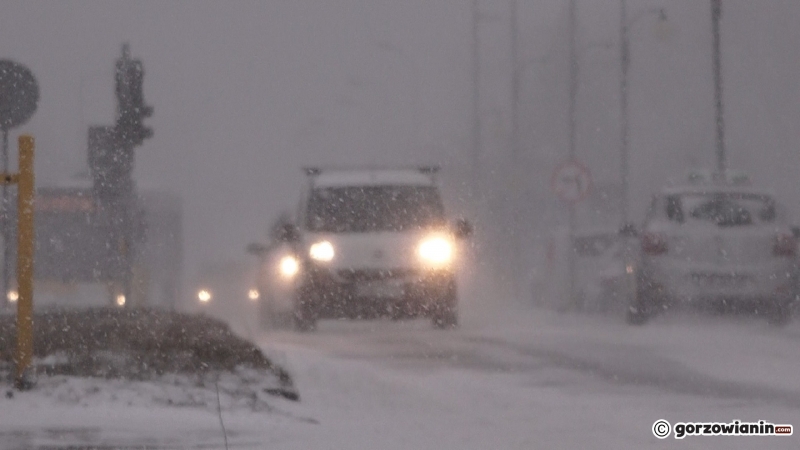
(120, 300)
(204, 295)
(436, 250)
(253, 294)
(12, 296)
(288, 266)
(321, 251)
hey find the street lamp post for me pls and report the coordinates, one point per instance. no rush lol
(573, 95)
(624, 43)
(477, 147)
(716, 14)
(514, 200)
(623, 99)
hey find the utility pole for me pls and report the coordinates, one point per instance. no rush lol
(624, 43)
(515, 83)
(4, 222)
(514, 201)
(477, 147)
(716, 14)
(625, 60)
(573, 94)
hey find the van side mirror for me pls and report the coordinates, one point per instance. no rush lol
(462, 229)
(288, 232)
(628, 230)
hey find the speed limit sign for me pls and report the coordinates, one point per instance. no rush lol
(571, 182)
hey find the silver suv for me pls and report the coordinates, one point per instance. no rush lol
(371, 243)
(715, 245)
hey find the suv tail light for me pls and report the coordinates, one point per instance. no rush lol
(785, 245)
(654, 243)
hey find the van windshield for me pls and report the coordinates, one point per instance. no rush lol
(358, 209)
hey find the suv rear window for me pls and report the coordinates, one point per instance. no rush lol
(722, 209)
(358, 209)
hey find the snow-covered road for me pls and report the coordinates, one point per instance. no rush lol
(527, 378)
(539, 379)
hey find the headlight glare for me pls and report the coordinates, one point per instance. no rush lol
(204, 295)
(321, 251)
(288, 266)
(436, 250)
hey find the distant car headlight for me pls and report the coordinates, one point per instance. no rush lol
(253, 294)
(288, 266)
(435, 250)
(321, 251)
(204, 295)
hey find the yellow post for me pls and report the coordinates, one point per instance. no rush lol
(25, 247)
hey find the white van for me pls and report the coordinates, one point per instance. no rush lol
(373, 242)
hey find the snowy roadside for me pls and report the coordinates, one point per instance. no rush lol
(398, 386)
(117, 378)
(355, 404)
(173, 412)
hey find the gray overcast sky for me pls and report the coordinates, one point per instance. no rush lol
(246, 92)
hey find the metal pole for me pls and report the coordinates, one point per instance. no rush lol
(573, 91)
(6, 228)
(476, 102)
(623, 95)
(573, 77)
(514, 200)
(515, 83)
(25, 234)
(127, 255)
(716, 14)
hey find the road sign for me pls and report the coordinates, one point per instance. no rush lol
(19, 94)
(571, 182)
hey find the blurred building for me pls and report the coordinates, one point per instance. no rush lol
(74, 263)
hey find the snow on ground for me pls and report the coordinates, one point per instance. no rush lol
(737, 349)
(515, 380)
(496, 397)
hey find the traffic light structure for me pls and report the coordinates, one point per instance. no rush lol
(131, 109)
(111, 161)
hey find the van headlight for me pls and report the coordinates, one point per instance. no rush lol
(288, 266)
(321, 251)
(435, 250)
(204, 295)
